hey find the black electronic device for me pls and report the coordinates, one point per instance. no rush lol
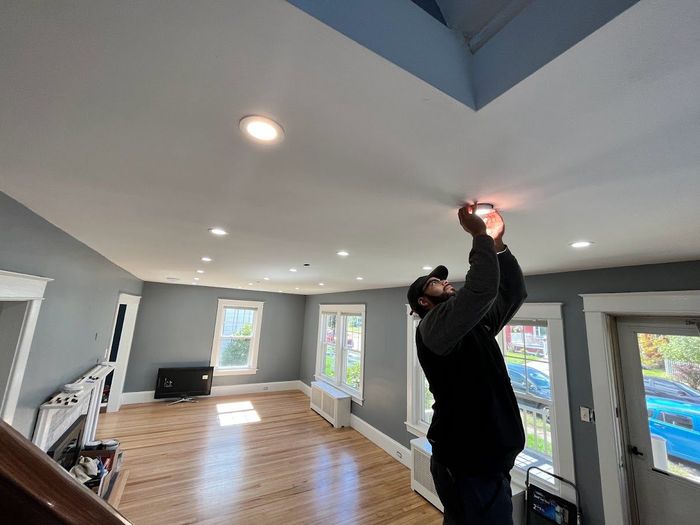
(545, 508)
(184, 383)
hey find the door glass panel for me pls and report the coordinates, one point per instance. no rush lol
(671, 372)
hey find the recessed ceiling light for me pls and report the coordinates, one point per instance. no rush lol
(200, 271)
(322, 284)
(279, 291)
(266, 278)
(581, 244)
(206, 259)
(359, 278)
(342, 253)
(427, 267)
(262, 129)
(292, 269)
(250, 284)
(483, 208)
(218, 231)
(196, 278)
(296, 288)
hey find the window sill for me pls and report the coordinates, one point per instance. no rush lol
(419, 429)
(352, 393)
(235, 372)
(518, 475)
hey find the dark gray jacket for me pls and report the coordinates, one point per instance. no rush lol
(476, 424)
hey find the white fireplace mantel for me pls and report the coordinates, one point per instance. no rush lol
(63, 409)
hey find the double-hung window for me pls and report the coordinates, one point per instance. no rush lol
(533, 351)
(341, 347)
(236, 337)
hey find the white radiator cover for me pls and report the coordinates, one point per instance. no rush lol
(422, 480)
(331, 403)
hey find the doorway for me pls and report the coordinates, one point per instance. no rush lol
(12, 315)
(120, 349)
(659, 381)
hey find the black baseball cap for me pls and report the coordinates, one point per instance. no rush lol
(417, 289)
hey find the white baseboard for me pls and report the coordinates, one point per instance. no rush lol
(304, 388)
(130, 398)
(395, 449)
(251, 388)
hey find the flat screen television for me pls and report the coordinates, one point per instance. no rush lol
(184, 382)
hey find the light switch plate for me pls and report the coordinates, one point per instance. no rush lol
(586, 414)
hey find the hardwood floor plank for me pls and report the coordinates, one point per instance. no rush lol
(256, 459)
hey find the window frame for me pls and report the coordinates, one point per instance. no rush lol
(252, 367)
(562, 446)
(414, 379)
(339, 310)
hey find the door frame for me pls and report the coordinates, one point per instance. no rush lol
(114, 402)
(24, 288)
(600, 311)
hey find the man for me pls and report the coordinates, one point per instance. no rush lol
(476, 431)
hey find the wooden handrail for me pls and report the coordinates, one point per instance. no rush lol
(34, 489)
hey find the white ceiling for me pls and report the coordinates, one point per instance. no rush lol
(118, 123)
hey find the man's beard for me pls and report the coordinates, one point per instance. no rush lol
(437, 299)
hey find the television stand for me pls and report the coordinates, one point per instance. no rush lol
(184, 399)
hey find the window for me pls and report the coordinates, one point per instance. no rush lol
(236, 337)
(340, 354)
(533, 348)
(419, 408)
(675, 419)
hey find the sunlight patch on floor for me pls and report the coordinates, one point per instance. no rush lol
(223, 408)
(238, 413)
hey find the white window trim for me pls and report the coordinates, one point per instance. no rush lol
(357, 395)
(600, 310)
(562, 447)
(414, 404)
(562, 444)
(254, 343)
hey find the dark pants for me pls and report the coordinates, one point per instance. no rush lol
(473, 500)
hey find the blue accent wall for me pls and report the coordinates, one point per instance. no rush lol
(416, 39)
(541, 32)
(404, 34)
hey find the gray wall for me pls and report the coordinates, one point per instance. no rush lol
(75, 322)
(175, 327)
(385, 358)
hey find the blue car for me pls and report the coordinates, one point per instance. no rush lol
(678, 423)
(527, 380)
(661, 387)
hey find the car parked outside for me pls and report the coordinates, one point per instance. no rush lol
(678, 423)
(669, 389)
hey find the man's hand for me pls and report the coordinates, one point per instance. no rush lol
(496, 227)
(470, 221)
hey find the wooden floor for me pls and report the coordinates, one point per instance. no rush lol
(213, 462)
